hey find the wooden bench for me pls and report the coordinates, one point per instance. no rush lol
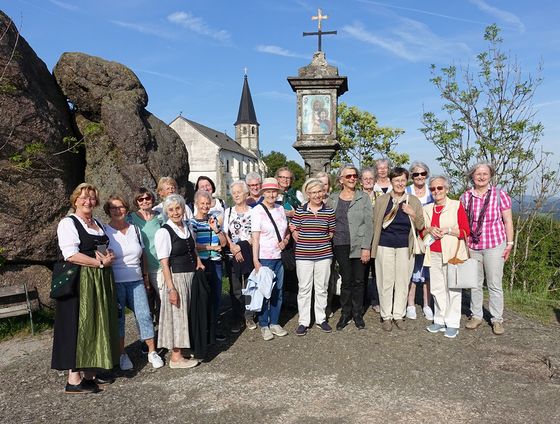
(18, 300)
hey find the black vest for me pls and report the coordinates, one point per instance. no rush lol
(181, 258)
(89, 242)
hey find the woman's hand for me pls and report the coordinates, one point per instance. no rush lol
(409, 210)
(436, 232)
(282, 244)
(365, 256)
(199, 264)
(147, 284)
(507, 251)
(173, 297)
(257, 266)
(107, 259)
(295, 235)
(213, 224)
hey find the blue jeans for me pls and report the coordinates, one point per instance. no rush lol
(214, 273)
(132, 294)
(270, 312)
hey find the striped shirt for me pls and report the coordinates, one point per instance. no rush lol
(493, 227)
(314, 233)
(204, 235)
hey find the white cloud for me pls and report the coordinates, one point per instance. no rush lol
(503, 15)
(410, 40)
(63, 5)
(198, 25)
(144, 29)
(276, 50)
(163, 75)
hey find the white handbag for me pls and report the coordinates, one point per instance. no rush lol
(462, 274)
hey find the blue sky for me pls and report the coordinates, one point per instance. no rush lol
(191, 55)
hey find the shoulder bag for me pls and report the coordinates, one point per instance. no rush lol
(419, 246)
(65, 278)
(288, 255)
(462, 274)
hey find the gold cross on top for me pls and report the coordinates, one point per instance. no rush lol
(319, 18)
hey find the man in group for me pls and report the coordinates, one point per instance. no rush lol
(290, 198)
(253, 181)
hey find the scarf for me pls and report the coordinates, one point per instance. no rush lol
(388, 219)
(476, 232)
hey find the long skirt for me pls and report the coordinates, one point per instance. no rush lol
(173, 320)
(86, 332)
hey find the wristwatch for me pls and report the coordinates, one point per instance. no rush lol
(101, 264)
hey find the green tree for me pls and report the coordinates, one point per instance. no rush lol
(489, 118)
(362, 140)
(275, 160)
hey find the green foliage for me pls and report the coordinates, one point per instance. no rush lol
(490, 118)
(362, 140)
(92, 129)
(7, 88)
(43, 319)
(275, 160)
(24, 160)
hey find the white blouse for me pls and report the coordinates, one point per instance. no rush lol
(128, 254)
(162, 239)
(68, 237)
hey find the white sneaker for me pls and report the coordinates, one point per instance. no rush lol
(266, 333)
(411, 312)
(125, 362)
(277, 330)
(155, 360)
(428, 313)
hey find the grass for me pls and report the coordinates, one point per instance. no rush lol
(43, 319)
(534, 306)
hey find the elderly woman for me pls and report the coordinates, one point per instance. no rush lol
(313, 225)
(148, 222)
(86, 332)
(126, 242)
(382, 180)
(351, 244)
(396, 217)
(254, 182)
(237, 228)
(176, 251)
(267, 218)
(210, 240)
(165, 187)
(419, 172)
(217, 205)
(491, 240)
(446, 222)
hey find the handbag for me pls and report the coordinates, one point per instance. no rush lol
(462, 274)
(65, 279)
(419, 247)
(288, 255)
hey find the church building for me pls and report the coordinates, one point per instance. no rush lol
(214, 154)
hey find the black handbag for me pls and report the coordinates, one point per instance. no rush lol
(288, 255)
(65, 279)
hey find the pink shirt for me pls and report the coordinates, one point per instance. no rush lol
(493, 227)
(268, 241)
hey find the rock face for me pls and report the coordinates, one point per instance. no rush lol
(35, 180)
(126, 146)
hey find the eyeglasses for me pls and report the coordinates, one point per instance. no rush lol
(280, 177)
(418, 174)
(144, 199)
(350, 176)
(254, 185)
(91, 199)
(367, 179)
(438, 188)
(114, 208)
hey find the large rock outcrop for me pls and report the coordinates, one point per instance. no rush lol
(35, 179)
(126, 146)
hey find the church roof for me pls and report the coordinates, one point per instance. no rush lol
(220, 139)
(246, 114)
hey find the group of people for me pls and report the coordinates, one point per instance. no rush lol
(166, 262)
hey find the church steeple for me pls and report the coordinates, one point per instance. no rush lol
(246, 126)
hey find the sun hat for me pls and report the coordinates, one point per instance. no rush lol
(269, 184)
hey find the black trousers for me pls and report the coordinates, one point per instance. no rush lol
(371, 296)
(352, 289)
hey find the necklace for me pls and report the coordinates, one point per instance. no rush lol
(441, 209)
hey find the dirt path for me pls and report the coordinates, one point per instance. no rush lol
(345, 377)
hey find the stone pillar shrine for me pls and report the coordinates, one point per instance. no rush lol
(317, 87)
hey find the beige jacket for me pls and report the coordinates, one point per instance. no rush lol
(379, 214)
(448, 218)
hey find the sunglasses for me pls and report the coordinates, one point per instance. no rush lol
(419, 174)
(144, 199)
(438, 188)
(350, 176)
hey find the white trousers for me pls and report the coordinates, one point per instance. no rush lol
(393, 269)
(312, 274)
(447, 302)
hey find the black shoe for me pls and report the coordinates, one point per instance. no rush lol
(359, 322)
(343, 322)
(85, 387)
(104, 379)
(144, 348)
(220, 337)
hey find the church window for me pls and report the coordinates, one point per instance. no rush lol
(244, 130)
(227, 165)
(253, 130)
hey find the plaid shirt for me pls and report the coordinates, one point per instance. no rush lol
(493, 228)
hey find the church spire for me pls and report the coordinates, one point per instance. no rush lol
(246, 114)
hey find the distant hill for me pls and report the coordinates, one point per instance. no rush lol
(551, 206)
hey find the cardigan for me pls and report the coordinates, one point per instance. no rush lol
(360, 216)
(448, 218)
(379, 213)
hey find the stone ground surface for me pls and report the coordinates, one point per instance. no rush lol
(349, 376)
